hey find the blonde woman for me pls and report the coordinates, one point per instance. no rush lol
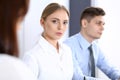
(50, 59)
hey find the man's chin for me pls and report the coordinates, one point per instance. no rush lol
(97, 37)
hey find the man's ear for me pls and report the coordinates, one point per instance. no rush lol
(84, 22)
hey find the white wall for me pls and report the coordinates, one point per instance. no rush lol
(31, 29)
(110, 40)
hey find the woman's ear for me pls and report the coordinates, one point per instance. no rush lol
(42, 22)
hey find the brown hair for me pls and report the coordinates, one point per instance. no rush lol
(10, 12)
(91, 12)
(52, 7)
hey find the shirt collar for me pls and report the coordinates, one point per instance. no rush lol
(47, 45)
(83, 42)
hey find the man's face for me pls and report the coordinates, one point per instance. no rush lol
(94, 28)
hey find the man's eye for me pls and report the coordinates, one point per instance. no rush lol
(65, 22)
(100, 23)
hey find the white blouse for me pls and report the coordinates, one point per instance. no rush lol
(47, 64)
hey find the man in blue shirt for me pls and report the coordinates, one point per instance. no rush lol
(91, 22)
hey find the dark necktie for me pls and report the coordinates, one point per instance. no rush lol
(92, 66)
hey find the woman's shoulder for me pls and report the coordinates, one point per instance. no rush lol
(12, 68)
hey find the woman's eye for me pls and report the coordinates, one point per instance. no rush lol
(54, 21)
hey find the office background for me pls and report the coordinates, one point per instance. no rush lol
(109, 42)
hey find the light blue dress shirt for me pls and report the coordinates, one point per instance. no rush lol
(79, 46)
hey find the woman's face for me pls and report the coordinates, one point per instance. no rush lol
(55, 25)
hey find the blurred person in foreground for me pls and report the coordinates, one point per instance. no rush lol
(12, 12)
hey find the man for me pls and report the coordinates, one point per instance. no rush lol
(91, 22)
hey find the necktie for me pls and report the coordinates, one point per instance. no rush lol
(92, 63)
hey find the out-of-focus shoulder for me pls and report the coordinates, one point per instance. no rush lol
(12, 68)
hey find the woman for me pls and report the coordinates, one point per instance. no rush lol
(12, 13)
(50, 59)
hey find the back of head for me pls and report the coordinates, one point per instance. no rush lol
(91, 12)
(11, 11)
(51, 8)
